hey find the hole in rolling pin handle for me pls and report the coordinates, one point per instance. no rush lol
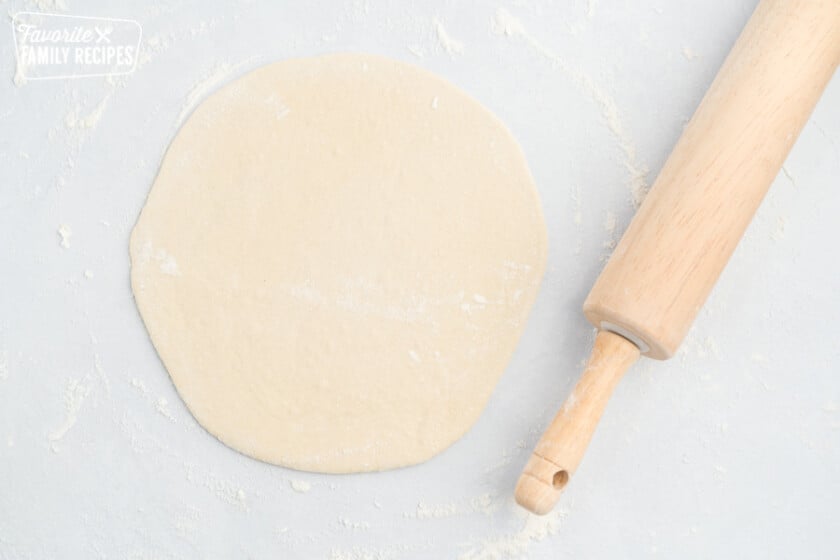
(560, 479)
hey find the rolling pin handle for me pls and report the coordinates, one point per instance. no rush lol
(560, 450)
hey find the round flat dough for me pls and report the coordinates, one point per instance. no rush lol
(336, 261)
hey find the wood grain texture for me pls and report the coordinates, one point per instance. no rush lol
(671, 255)
(674, 250)
(562, 446)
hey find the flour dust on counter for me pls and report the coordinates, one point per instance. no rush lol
(505, 24)
(336, 261)
(300, 486)
(64, 234)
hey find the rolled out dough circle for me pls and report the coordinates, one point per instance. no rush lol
(336, 261)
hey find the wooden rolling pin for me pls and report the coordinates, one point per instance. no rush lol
(671, 255)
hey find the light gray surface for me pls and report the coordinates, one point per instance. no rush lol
(731, 449)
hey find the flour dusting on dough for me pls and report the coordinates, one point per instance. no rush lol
(168, 265)
(166, 262)
(360, 297)
(276, 106)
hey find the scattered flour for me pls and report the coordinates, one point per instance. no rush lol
(64, 233)
(82, 119)
(515, 545)
(610, 224)
(759, 358)
(224, 490)
(390, 552)
(20, 78)
(139, 385)
(484, 504)
(100, 372)
(74, 395)
(162, 406)
(78, 124)
(151, 47)
(300, 486)
(577, 218)
(695, 348)
(425, 511)
(416, 50)
(789, 176)
(508, 456)
(186, 521)
(569, 404)
(779, 232)
(49, 5)
(277, 106)
(75, 120)
(353, 525)
(222, 72)
(4, 365)
(166, 262)
(447, 43)
(689, 54)
(504, 23)
(355, 296)
(88, 274)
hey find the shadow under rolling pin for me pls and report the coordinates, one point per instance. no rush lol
(671, 255)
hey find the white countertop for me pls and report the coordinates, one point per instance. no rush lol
(731, 449)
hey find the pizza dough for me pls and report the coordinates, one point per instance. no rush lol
(336, 261)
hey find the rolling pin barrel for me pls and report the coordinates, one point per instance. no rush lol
(714, 180)
(705, 196)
